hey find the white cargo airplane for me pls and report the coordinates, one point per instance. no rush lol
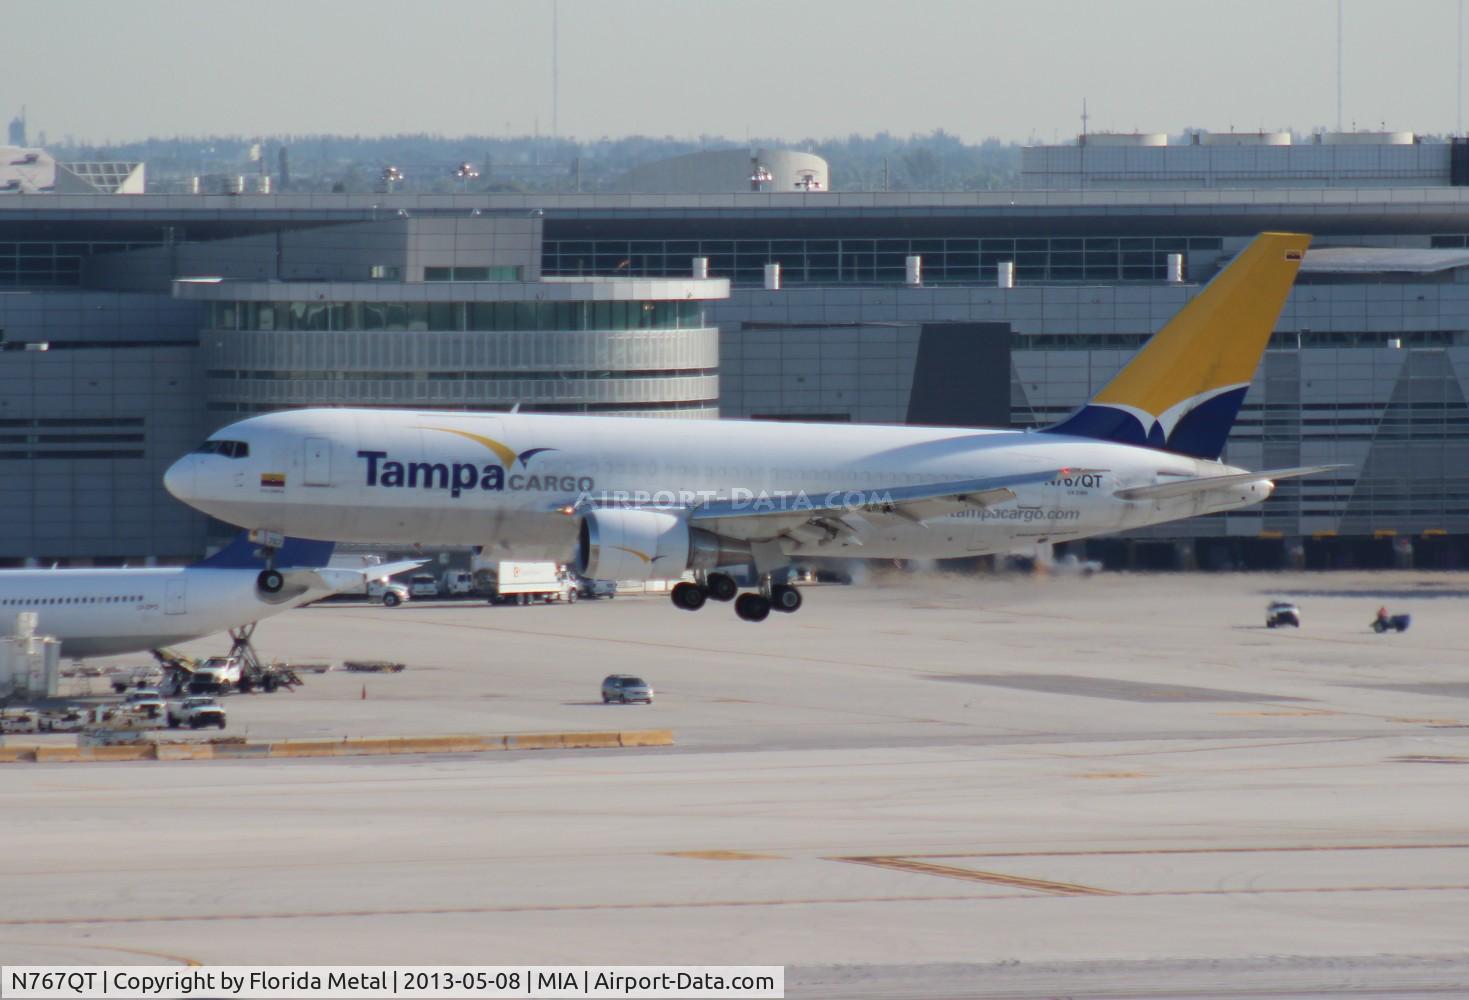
(105, 612)
(653, 498)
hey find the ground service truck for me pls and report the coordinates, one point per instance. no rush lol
(525, 582)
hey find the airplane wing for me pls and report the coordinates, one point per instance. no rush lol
(1186, 487)
(840, 513)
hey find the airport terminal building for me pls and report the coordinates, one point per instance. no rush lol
(133, 325)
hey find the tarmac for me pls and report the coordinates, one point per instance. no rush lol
(1122, 786)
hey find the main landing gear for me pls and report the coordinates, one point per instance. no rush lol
(753, 606)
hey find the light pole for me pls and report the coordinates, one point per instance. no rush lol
(465, 173)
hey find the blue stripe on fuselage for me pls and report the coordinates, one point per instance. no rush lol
(296, 553)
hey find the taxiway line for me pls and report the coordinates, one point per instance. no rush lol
(971, 875)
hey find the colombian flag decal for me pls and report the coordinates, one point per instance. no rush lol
(273, 480)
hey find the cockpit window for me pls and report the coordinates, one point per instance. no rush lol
(229, 449)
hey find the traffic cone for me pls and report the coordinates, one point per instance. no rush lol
(364, 693)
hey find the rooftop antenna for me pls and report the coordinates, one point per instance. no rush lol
(1084, 119)
(1338, 64)
(555, 69)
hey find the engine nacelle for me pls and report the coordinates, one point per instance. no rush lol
(633, 545)
(650, 545)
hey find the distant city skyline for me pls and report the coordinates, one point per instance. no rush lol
(109, 74)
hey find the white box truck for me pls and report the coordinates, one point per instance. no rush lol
(527, 582)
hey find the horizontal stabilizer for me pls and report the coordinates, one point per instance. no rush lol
(1204, 484)
(340, 580)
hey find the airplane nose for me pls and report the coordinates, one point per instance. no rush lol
(179, 479)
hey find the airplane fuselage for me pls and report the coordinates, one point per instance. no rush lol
(106, 612)
(510, 481)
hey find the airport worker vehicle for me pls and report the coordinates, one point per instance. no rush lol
(1278, 613)
(196, 712)
(1385, 622)
(146, 702)
(389, 592)
(594, 589)
(526, 582)
(654, 499)
(457, 583)
(624, 688)
(217, 675)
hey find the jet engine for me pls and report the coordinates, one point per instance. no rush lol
(649, 545)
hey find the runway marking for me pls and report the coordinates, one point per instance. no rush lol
(1121, 852)
(970, 875)
(192, 963)
(1427, 722)
(721, 856)
(1106, 775)
(1423, 758)
(1296, 714)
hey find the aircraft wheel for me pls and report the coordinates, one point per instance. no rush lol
(270, 581)
(722, 587)
(785, 598)
(688, 596)
(752, 607)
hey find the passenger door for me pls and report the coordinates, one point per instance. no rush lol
(174, 601)
(318, 462)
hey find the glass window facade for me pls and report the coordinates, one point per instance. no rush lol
(952, 260)
(48, 264)
(681, 314)
(506, 273)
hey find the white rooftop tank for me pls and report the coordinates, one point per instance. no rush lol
(1246, 139)
(1367, 138)
(1123, 139)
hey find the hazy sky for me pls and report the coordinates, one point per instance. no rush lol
(802, 68)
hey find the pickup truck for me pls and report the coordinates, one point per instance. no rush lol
(216, 675)
(195, 712)
(71, 720)
(146, 702)
(391, 593)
